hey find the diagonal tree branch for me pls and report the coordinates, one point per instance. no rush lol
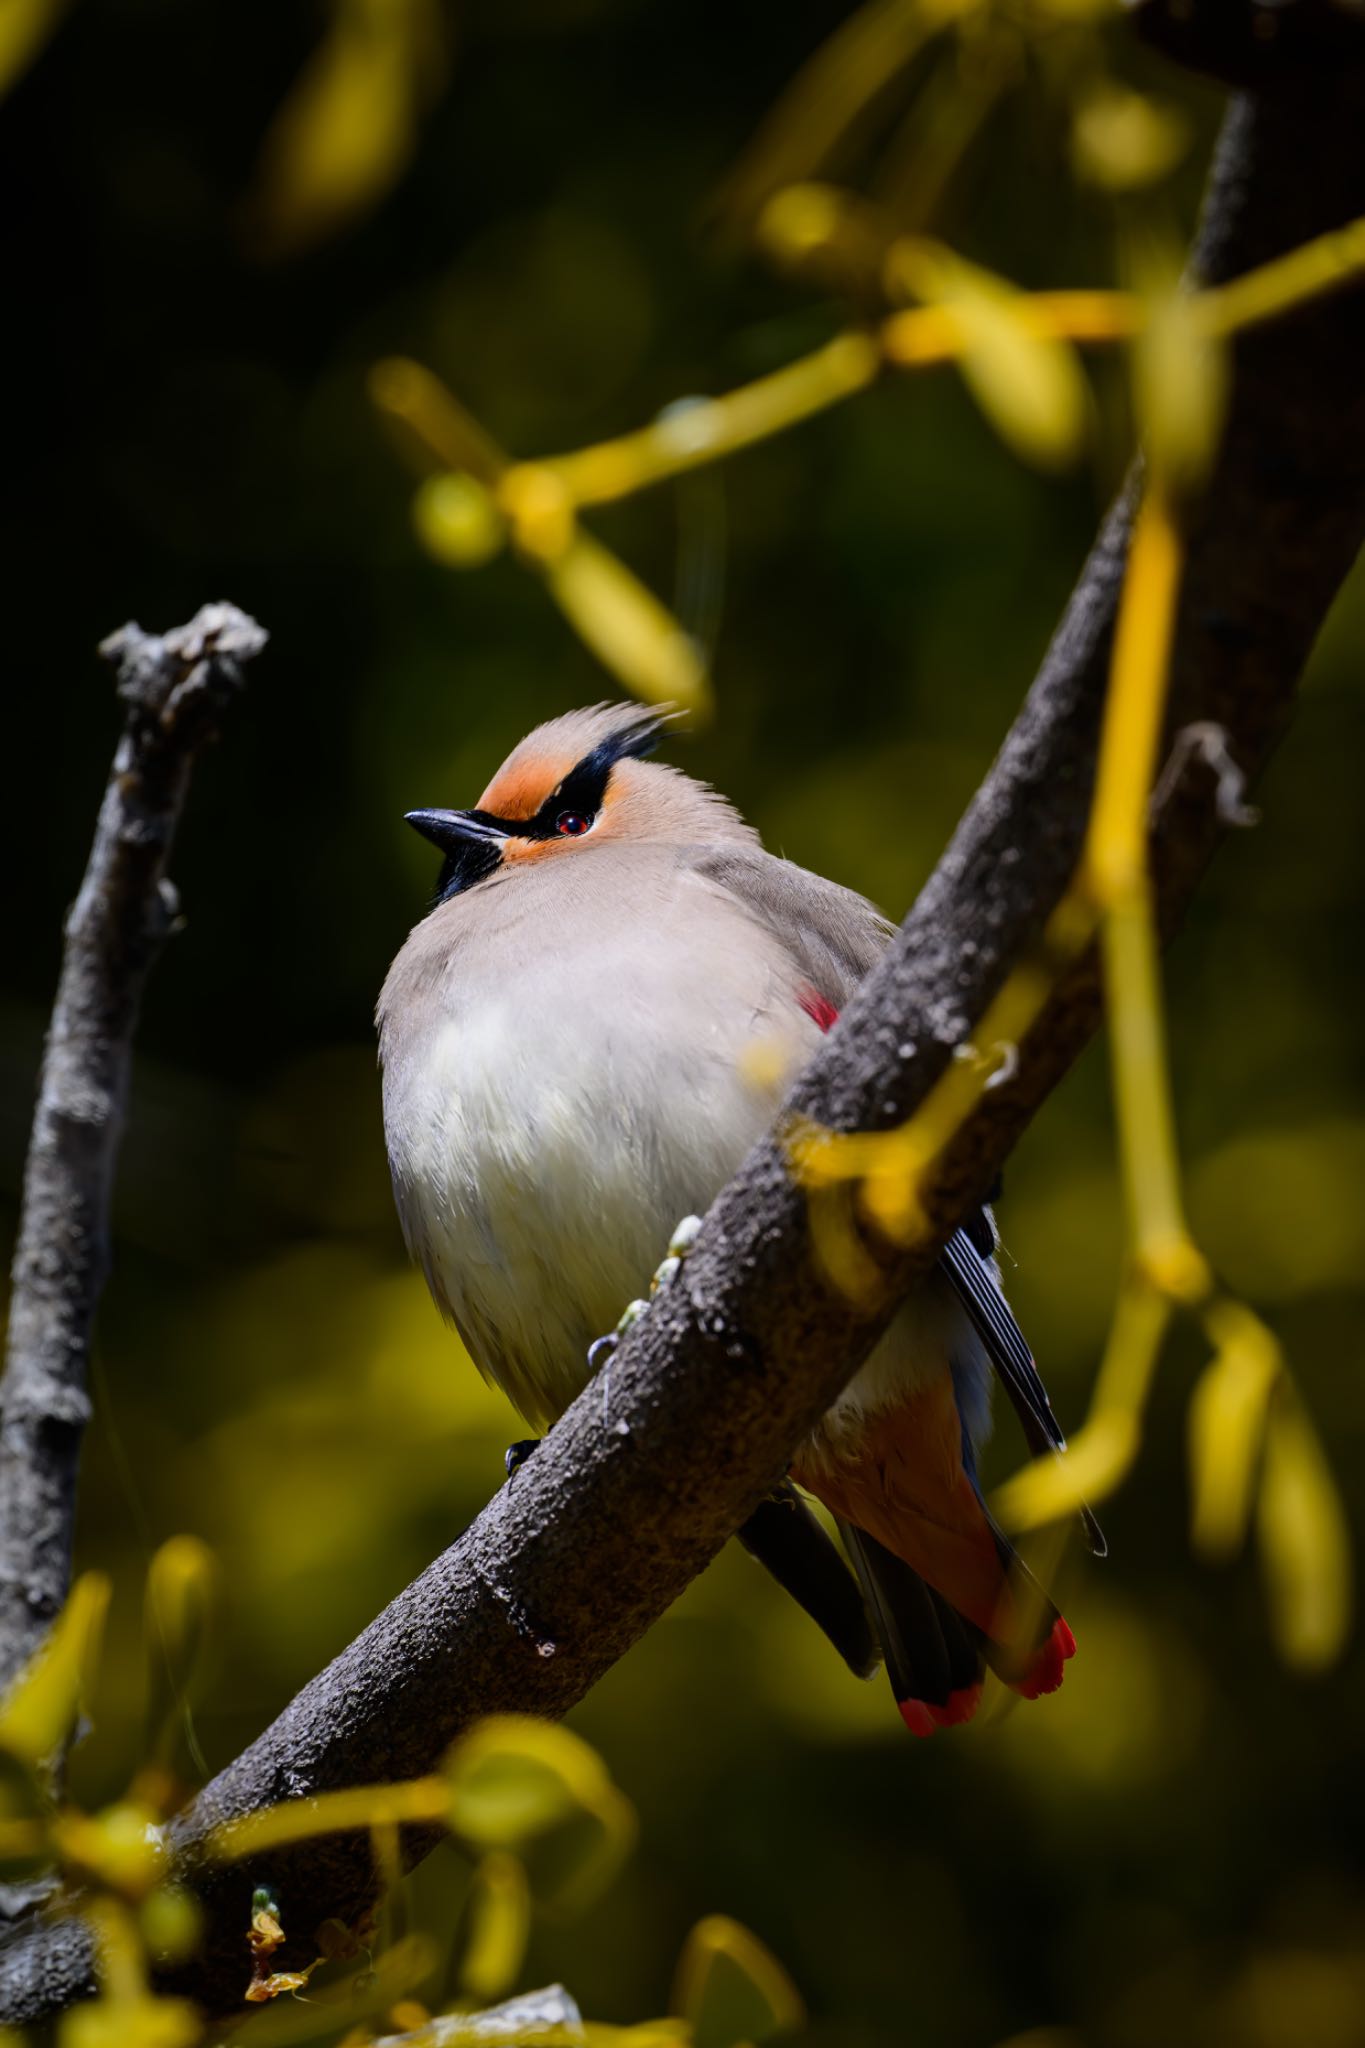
(659, 1461)
(175, 690)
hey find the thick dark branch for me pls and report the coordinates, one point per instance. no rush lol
(659, 1461)
(174, 691)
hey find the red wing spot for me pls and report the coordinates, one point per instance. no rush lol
(1045, 1672)
(818, 1008)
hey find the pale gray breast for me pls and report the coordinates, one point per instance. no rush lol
(574, 1059)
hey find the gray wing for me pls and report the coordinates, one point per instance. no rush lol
(834, 935)
(837, 936)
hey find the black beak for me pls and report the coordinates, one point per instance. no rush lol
(453, 830)
(470, 842)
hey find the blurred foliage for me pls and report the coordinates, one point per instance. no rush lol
(211, 257)
(530, 1807)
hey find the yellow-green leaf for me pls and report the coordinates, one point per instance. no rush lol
(347, 129)
(119, 1847)
(406, 1801)
(1304, 1541)
(1060, 1483)
(143, 2022)
(571, 1864)
(431, 421)
(25, 26)
(803, 133)
(1029, 385)
(41, 1709)
(1122, 139)
(628, 629)
(498, 1926)
(172, 1922)
(665, 2033)
(1226, 1424)
(457, 521)
(513, 1776)
(179, 1606)
(731, 1989)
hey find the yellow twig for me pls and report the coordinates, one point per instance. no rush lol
(417, 401)
(1282, 286)
(1111, 893)
(1104, 1449)
(1114, 876)
(691, 434)
(332, 1813)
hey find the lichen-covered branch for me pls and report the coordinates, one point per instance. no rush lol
(655, 1465)
(174, 690)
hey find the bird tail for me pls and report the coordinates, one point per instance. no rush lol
(948, 1593)
(936, 1658)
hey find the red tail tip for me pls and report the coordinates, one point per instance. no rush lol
(1045, 1672)
(916, 1717)
(922, 1719)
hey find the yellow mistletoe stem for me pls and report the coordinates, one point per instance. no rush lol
(1116, 843)
(1114, 876)
(700, 431)
(1322, 265)
(1103, 1451)
(417, 401)
(415, 1800)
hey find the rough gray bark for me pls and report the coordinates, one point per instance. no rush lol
(655, 1466)
(174, 691)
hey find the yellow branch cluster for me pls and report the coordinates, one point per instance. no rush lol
(1251, 1444)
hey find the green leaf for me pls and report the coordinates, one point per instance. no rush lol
(179, 1607)
(731, 1989)
(40, 1711)
(1305, 1544)
(1029, 385)
(498, 1926)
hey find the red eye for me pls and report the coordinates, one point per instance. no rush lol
(572, 823)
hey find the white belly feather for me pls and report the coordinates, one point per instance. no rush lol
(548, 1169)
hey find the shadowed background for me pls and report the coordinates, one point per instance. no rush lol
(1170, 1847)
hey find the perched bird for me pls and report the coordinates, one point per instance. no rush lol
(564, 1041)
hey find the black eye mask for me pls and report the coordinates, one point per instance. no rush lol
(472, 840)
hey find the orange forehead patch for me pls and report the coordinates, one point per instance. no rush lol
(519, 789)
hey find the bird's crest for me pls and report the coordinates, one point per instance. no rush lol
(594, 739)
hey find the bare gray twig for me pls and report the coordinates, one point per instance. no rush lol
(174, 688)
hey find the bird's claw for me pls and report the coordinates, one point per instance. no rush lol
(683, 1239)
(515, 1456)
(679, 1245)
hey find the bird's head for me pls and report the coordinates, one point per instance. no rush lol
(580, 780)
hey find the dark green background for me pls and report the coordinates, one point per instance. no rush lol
(1168, 1851)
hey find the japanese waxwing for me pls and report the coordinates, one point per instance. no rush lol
(544, 1148)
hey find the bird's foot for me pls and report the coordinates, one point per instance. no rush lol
(515, 1456)
(679, 1245)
